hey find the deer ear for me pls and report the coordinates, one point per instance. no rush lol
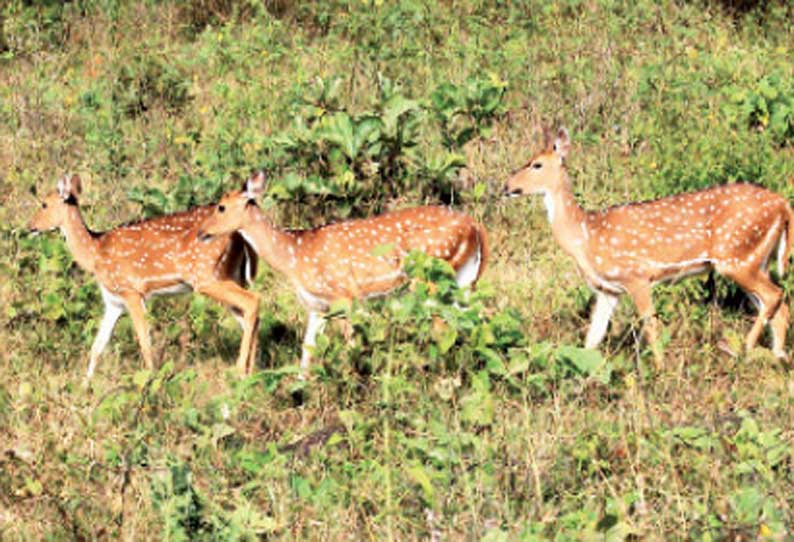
(562, 143)
(255, 184)
(69, 187)
(547, 141)
(76, 185)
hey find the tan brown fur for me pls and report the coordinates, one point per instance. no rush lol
(155, 257)
(733, 229)
(355, 259)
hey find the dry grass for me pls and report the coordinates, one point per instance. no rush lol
(559, 463)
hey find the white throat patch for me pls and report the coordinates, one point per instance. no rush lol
(547, 199)
(250, 240)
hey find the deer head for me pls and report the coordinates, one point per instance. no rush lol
(230, 213)
(544, 172)
(52, 214)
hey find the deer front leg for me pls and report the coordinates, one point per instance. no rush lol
(779, 326)
(642, 294)
(602, 311)
(314, 326)
(114, 308)
(137, 310)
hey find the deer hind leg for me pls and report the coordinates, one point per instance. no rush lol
(114, 308)
(254, 349)
(602, 311)
(246, 305)
(769, 299)
(137, 310)
(642, 294)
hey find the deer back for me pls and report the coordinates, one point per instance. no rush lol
(721, 226)
(360, 258)
(163, 252)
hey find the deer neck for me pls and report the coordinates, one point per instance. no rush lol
(81, 241)
(275, 246)
(567, 218)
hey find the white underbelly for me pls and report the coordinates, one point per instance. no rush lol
(311, 301)
(179, 288)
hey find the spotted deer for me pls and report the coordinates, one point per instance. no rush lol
(161, 256)
(344, 261)
(732, 229)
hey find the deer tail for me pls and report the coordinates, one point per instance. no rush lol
(785, 243)
(485, 251)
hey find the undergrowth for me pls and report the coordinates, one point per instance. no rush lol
(445, 415)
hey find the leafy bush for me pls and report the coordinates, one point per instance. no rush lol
(146, 81)
(187, 192)
(447, 327)
(26, 27)
(466, 111)
(768, 105)
(360, 156)
(347, 154)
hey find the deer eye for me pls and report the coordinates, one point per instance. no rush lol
(221, 208)
(537, 165)
(44, 205)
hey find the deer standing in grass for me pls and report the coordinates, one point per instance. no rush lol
(340, 261)
(732, 229)
(160, 256)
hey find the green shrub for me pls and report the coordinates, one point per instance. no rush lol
(146, 81)
(767, 105)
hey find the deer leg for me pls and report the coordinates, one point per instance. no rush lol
(313, 327)
(252, 354)
(114, 308)
(246, 303)
(602, 311)
(253, 350)
(779, 326)
(769, 297)
(137, 310)
(642, 294)
(347, 330)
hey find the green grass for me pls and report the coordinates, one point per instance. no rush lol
(431, 423)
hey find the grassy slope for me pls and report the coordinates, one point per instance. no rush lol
(696, 450)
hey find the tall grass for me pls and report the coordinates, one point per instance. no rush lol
(483, 422)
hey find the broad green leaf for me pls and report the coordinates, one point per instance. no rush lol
(586, 361)
(478, 408)
(418, 474)
(141, 378)
(338, 130)
(220, 431)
